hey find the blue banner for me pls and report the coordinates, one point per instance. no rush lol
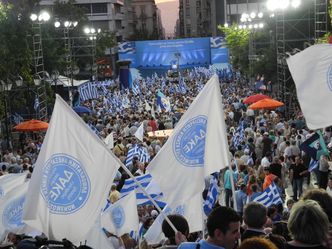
(186, 53)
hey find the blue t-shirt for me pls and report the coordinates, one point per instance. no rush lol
(203, 245)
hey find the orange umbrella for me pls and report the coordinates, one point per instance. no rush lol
(266, 104)
(254, 98)
(32, 125)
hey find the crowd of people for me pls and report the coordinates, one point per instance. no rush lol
(264, 147)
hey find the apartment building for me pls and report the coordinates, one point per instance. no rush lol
(147, 19)
(200, 18)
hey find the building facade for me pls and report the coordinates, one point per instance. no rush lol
(200, 18)
(147, 20)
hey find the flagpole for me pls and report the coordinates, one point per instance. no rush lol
(232, 183)
(146, 193)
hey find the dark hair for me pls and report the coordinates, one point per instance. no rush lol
(220, 218)
(255, 215)
(280, 228)
(323, 199)
(180, 224)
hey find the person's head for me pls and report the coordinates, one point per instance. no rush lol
(308, 223)
(323, 199)
(255, 215)
(290, 203)
(223, 225)
(330, 182)
(180, 224)
(257, 243)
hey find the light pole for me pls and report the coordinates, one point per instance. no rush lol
(92, 36)
(252, 22)
(5, 87)
(38, 59)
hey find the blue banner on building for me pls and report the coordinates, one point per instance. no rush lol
(190, 52)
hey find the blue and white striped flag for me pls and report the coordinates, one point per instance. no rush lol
(239, 135)
(269, 196)
(130, 185)
(36, 104)
(313, 165)
(149, 185)
(212, 196)
(133, 151)
(144, 156)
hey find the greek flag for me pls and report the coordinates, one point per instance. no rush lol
(212, 196)
(163, 102)
(130, 184)
(144, 156)
(312, 165)
(133, 151)
(269, 196)
(88, 91)
(36, 104)
(17, 118)
(150, 186)
(238, 136)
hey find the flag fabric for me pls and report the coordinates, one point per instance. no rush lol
(150, 187)
(11, 206)
(17, 118)
(212, 196)
(36, 103)
(96, 237)
(311, 70)
(11, 181)
(269, 196)
(197, 147)
(238, 136)
(313, 165)
(129, 184)
(71, 178)
(121, 217)
(109, 141)
(315, 146)
(163, 102)
(191, 209)
(140, 132)
(132, 152)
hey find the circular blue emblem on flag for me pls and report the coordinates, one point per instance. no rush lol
(329, 77)
(118, 217)
(12, 214)
(180, 210)
(189, 142)
(65, 184)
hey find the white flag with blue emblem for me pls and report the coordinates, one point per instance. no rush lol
(11, 181)
(191, 209)
(197, 147)
(121, 217)
(11, 208)
(311, 70)
(71, 178)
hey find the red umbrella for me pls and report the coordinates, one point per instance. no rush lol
(268, 104)
(32, 125)
(254, 98)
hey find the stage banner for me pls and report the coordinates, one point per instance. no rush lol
(219, 51)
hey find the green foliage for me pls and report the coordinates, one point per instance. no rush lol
(237, 42)
(105, 40)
